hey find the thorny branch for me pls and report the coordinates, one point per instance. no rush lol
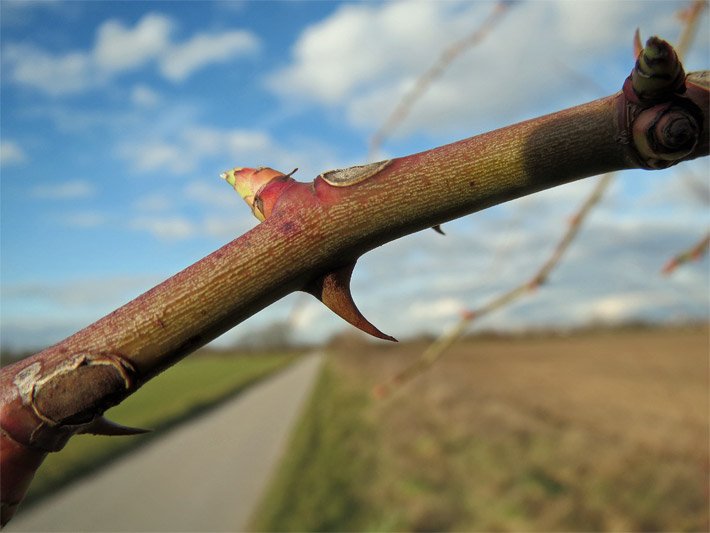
(313, 233)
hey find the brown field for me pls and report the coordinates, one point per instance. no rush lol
(593, 431)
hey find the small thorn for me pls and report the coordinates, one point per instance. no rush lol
(333, 289)
(438, 229)
(638, 46)
(104, 426)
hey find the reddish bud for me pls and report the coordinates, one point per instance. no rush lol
(665, 133)
(260, 187)
(657, 74)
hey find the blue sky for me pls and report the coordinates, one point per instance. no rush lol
(118, 117)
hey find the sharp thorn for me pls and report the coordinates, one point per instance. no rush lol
(438, 229)
(638, 46)
(104, 426)
(333, 289)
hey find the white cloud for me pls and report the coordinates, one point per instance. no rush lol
(436, 309)
(119, 48)
(589, 26)
(80, 119)
(175, 227)
(153, 202)
(204, 141)
(78, 293)
(11, 153)
(180, 61)
(624, 306)
(49, 73)
(64, 191)
(247, 141)
(307, 313)
(144, 96)
(84, 219)
(165, 228)
(181, 151)
(64, 307)
(228, 226)
(689, 188)
(618, 307)
(359, 44)
(211, 194)
(365, 57)
(158, 155)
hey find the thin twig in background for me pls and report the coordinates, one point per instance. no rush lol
(584, 81)
(406, 103)
(693, 253)
(443, 343)
(689, 16)
(436, 70)
(698, 186)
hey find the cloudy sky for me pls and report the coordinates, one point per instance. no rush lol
(118, 117)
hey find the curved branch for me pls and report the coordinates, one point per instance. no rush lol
(311, 235)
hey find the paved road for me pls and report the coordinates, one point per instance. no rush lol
(205, 476)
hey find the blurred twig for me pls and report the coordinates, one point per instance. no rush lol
(437, 69)
(690, 17)
(693, 253)
(405, 105)
(582, 80)
(699, 187)
(438, 347)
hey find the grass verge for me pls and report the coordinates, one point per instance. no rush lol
(585, 433)
(178, 394)
(323, 482)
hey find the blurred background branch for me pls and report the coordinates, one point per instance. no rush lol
(410, 98)
(689, 17)
(437, 349)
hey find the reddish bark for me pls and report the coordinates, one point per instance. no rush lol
(311, 232)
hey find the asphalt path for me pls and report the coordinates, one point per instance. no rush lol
(207, 475)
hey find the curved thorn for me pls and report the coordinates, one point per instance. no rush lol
(438, 229)
(333, 289)
(104, 426)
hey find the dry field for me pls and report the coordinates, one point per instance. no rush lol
(604, 430)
